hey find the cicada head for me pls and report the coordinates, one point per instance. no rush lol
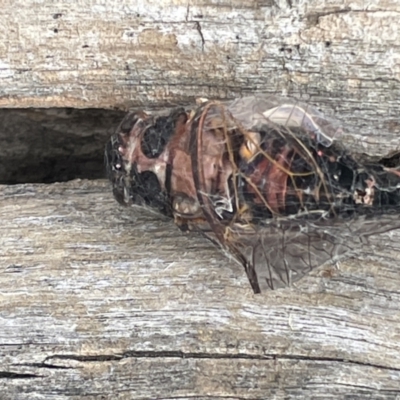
(136, 159)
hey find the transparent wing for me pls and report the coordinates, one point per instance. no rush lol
(281, 253)
(282, 197)
(254, 111)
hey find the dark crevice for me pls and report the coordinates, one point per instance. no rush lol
(15, 375)
(41, 365)
(198, 27)
(391, 160)
(213, 356)
(314, 18)
(40, 145)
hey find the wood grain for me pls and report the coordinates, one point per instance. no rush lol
(103, 302)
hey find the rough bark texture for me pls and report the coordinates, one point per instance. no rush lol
(99, 302)
(103, 302)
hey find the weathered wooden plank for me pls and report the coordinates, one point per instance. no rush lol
(343, 56)
(173, 377)
(98, 301)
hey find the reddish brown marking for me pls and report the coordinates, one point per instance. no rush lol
(179, 159)
(271, 179)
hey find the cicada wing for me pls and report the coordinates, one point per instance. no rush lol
(276, 256)
(244, 198)
(253, 111)
(281, 253)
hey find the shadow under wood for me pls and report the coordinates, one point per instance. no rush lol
(54, 144)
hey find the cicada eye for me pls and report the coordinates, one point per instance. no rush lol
(115, 168)
(159, 132)
(145, 189)
(155, 138)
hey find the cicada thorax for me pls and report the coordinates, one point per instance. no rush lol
(137, 158)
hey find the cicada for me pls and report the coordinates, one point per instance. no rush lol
(266, 178)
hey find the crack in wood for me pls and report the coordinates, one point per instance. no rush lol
(198, 27)
(16, 375)
(211, 356)
(41, 365)
(313, 18)
(187, 13)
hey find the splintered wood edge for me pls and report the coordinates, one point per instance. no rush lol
(118, 300)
